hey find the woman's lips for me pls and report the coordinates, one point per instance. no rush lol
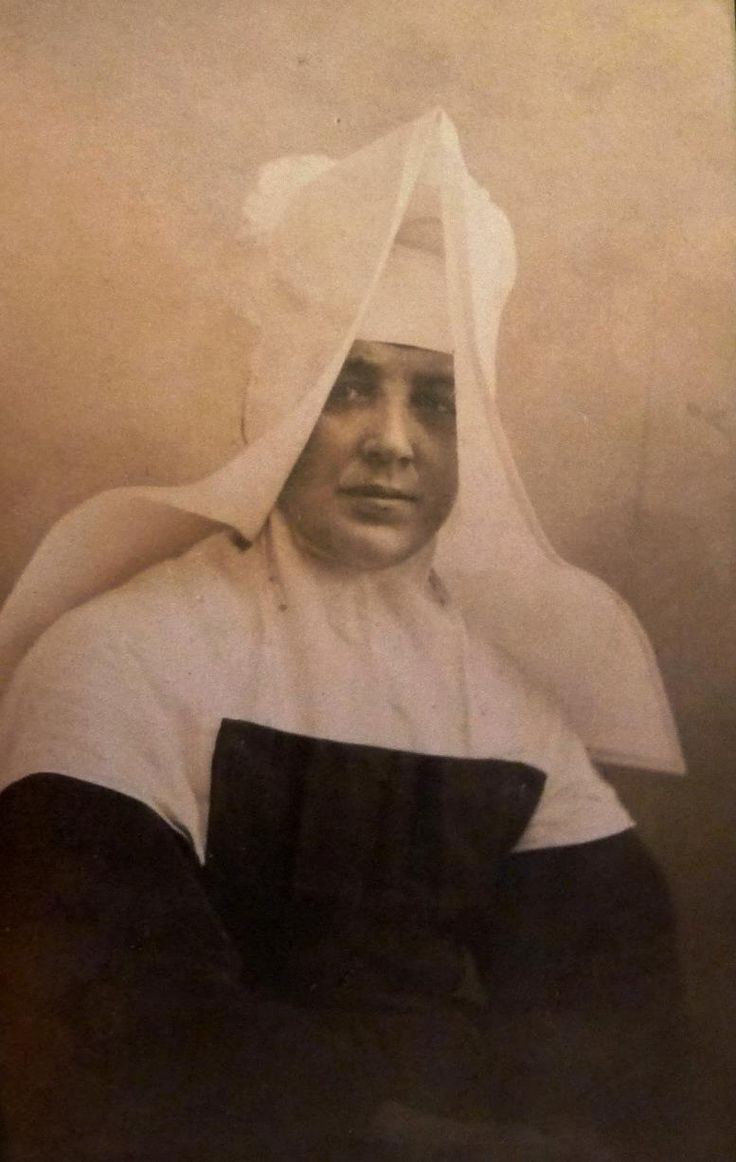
(378, 492)
(379, 504)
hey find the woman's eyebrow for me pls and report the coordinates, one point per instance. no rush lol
(442, 380)
(357, 364)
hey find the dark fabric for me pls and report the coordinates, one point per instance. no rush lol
(125, 1031)
(345, 866)
(132, 1031)
(586, 1010)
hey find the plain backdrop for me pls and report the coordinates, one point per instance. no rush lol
(130, 131)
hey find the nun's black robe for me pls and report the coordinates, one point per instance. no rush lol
(360, 934)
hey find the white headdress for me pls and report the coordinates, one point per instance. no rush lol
(331, 248)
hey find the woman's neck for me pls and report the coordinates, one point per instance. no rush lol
(287, 550)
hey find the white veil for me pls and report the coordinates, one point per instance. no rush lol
(316, 271)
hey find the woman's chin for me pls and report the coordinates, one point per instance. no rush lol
(368, 548)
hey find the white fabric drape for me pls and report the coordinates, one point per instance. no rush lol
(315, 275)
(129, 690)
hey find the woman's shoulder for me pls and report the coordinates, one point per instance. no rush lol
(171, 612)
(494, 670)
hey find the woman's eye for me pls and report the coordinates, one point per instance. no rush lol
(436, 402)
(349, 391)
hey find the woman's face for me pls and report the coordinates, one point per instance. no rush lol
(379, 474)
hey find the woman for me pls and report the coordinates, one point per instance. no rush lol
(304, 852)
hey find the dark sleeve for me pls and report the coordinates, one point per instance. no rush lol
(580, 963)
(126, 1033)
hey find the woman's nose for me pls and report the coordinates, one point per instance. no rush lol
(388, 433)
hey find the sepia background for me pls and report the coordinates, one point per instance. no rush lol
(130, 131)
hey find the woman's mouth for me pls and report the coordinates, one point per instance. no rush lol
(379, 492)
(380, 503)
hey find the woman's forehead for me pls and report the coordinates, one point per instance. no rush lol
(398, 357)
